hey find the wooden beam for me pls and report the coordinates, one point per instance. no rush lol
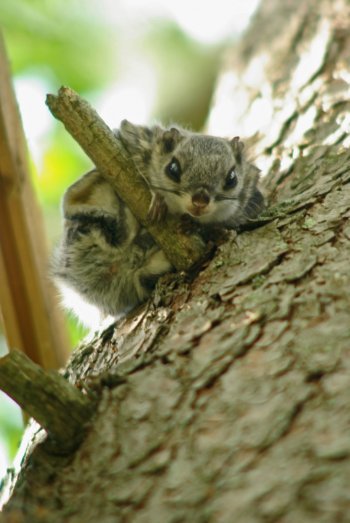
(32, 321)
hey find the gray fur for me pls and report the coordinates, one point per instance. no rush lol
(106, 262)
(205, 162)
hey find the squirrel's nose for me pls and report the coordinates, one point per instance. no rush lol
(200, 199)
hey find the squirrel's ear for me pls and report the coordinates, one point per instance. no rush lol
(237, 148)
(135, 137)
(170, 138)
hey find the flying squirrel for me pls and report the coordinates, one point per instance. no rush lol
(107, 263)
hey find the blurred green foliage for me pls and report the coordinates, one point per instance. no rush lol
(61, 41)
(10, 425)
(61, 163)
(186, 72)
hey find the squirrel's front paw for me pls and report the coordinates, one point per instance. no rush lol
(158, 208)
(188, 226)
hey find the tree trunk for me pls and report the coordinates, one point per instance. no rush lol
(226, 397)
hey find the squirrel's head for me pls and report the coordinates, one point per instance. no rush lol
(204, 176)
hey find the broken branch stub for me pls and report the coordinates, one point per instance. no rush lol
(55, 404)
(111, 159)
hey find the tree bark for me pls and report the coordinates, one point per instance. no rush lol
(226, 398)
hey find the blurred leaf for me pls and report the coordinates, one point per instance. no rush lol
(63, 163)
(186, 71)
(59, 40)
(77, 331)
(11, 424)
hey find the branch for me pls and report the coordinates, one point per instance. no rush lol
(32, 321)
(111, 159)
(55, 404)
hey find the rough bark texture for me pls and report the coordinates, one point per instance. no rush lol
(226, 398)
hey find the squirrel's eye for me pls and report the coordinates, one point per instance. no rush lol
(173, 170)
(231, 179)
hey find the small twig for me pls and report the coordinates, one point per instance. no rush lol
(110, 158)
(54, 403)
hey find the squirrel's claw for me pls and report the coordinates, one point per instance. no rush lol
(188, 226)
(158, 208)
